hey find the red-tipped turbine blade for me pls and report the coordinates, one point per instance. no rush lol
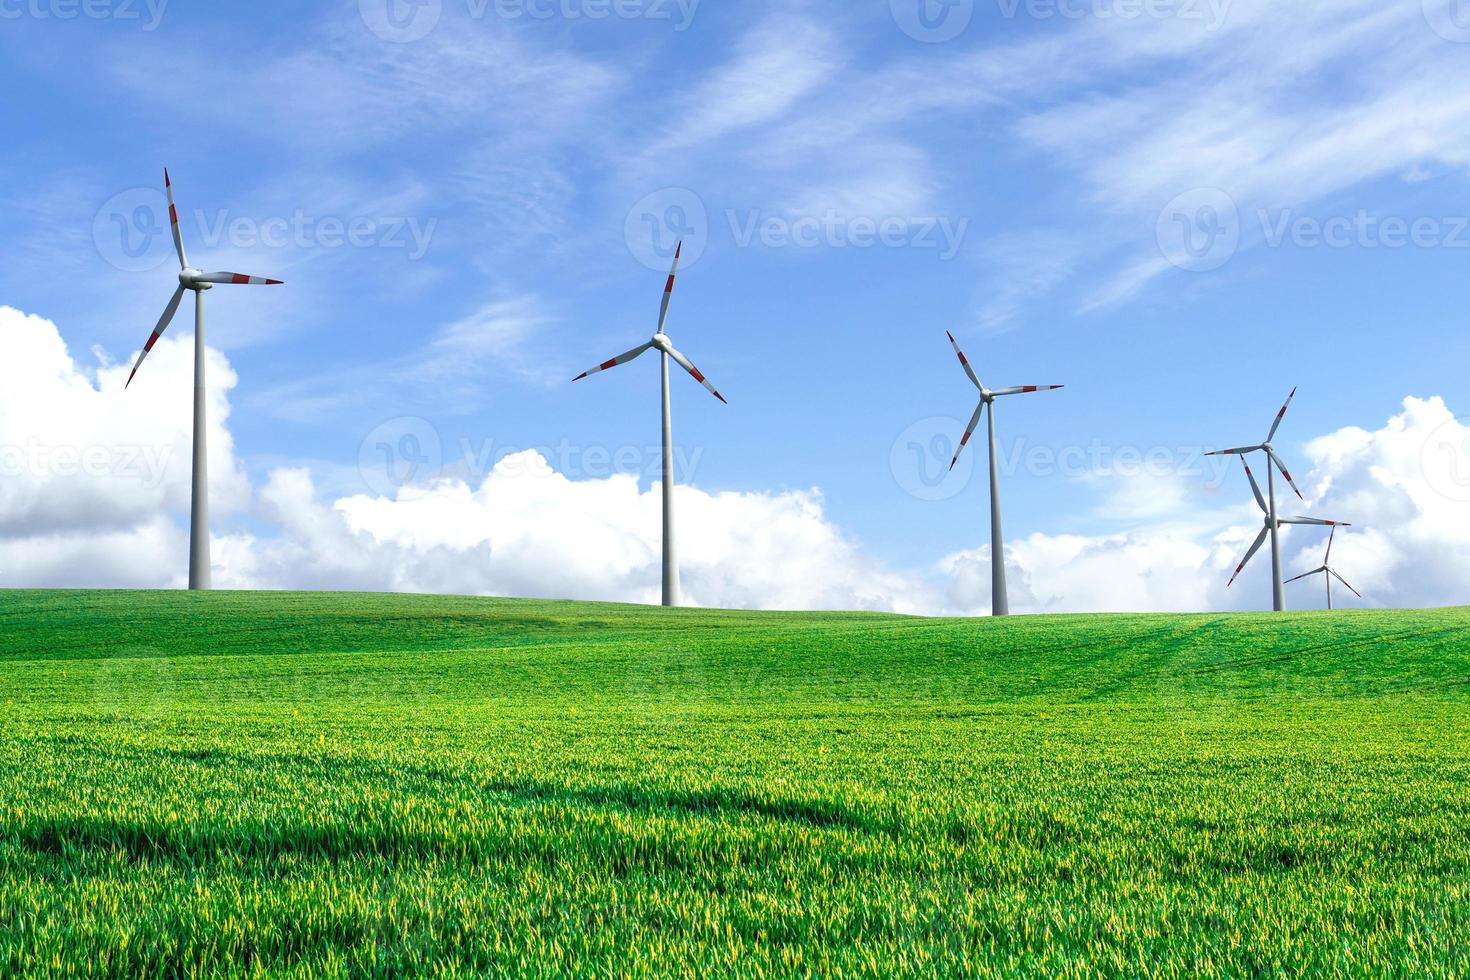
(173, 220)
(623, 358)
(663, 311)
(969, 431)
(163, 322)
(1255, 487)
(1026, 389)
(1281, 415)
(1290, 482)
(694, 373)
(1345, 582)
(238, 279)
(1239, 451)
(1260, 540)
(964, 361)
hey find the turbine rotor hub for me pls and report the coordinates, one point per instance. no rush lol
(189, 279)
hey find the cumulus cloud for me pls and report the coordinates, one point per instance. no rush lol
(89, 472)
(527, 530)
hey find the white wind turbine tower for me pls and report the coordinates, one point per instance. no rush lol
(665, 347)
(1268, 505)
(999, 598)
(1327, 572)
(198, 282)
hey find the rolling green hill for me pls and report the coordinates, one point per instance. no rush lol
(334, 784)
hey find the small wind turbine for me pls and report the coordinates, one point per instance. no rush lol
(665, 347)
(192, 279)
(1327, 572)
(1273, 525)
(999, 600)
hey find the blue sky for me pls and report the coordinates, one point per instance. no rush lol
(516, 175)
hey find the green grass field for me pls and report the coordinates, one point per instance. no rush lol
(339, 785)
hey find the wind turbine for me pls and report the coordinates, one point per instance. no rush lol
(192, 279)
(1327, 572)
(999, 600)
(665, 347)
(1268, 504)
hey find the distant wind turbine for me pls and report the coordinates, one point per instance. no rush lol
(1268, 504)
(1327, 572)
(665, 347)
(999, 599)
(192, 279)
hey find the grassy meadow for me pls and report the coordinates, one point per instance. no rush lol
(303, 785)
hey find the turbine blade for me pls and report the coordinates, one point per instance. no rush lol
(964, 361)
(663, 312)
(1241, 451)
(969, 431)
(1255, 487)
(620, 359)
(1313, 522)
(695, 373)
(1260, 540)
(1315, 571)
(238, 279)
(1281, 415)
(1290, 482)
(1345, 582)
(163, 322)
(173, 220)
(1026, 389)
(1330, 538)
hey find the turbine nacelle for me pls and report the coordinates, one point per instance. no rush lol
(190, 279)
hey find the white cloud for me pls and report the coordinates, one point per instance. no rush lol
(88, 471)
(529, 531)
